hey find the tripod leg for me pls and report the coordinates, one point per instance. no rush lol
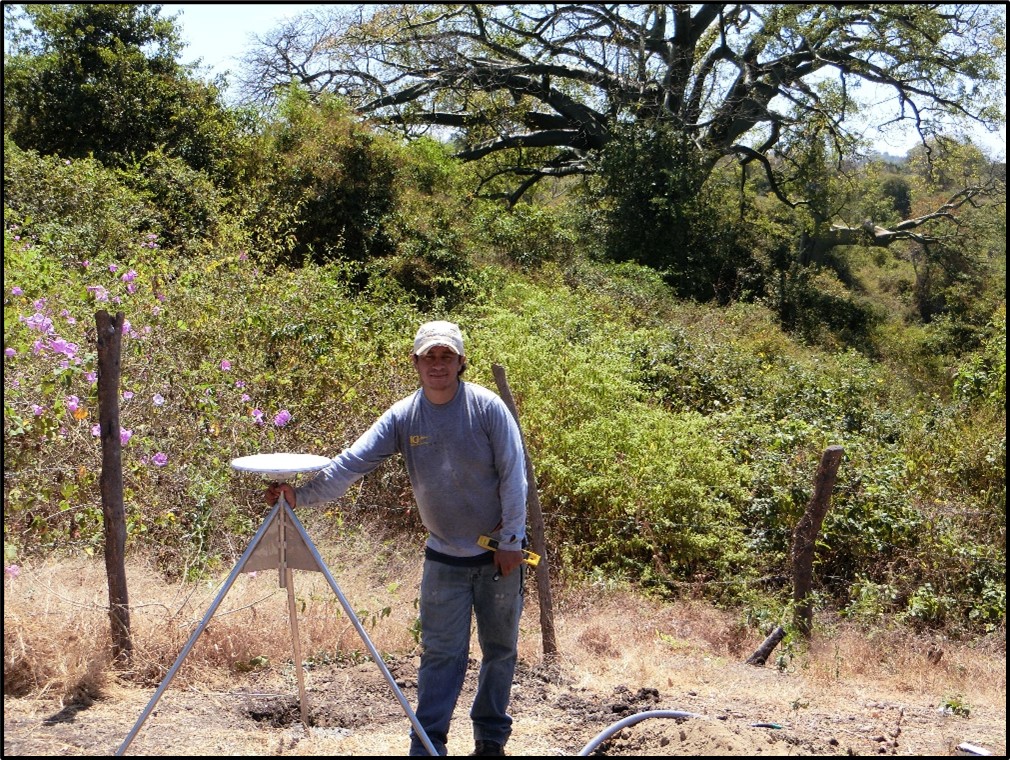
(352, 616)
(199, 629)
(299, 671)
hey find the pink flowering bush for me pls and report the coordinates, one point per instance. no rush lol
(206, 376)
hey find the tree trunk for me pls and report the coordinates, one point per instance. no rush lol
(109, 343)
(536, 521)
(805, 538)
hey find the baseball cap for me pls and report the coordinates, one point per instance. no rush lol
(438, 333)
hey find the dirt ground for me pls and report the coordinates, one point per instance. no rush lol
(626, 670)
(735, 709)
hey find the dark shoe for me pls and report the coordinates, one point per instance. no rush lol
(484, 748)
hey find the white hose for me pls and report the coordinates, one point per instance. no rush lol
(630, 721)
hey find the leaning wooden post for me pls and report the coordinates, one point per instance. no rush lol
(110, 333)
(760, 656)
(536, 520)
(805, 538)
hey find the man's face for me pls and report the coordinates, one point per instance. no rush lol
(439, 368)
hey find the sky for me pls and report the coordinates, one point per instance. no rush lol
(220, 33)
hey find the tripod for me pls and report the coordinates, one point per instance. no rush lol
(282, 543)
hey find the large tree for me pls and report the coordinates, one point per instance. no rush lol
(102, 80)
(540, 87)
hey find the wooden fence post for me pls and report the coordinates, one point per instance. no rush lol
(760, 656)
(536, 521)
(805, 538)
(110, 331)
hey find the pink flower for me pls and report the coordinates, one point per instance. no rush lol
(73, 403)
(96, 430)
(124, 436)
(225, 365)
(282, 418)
(160, 459)
(98, 292)
(257, 415)
(39, 321)
(12, 571)
(61, 346)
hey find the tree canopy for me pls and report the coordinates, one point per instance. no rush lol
(542, 87)
(102, 80)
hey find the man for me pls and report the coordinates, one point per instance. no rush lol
(464, 457)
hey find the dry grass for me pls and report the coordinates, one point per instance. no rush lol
(56, 633)
(57, 629)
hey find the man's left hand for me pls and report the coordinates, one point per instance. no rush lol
(506, 561)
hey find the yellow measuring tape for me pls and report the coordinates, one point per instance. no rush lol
(529, 557)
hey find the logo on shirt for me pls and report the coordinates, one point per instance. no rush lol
(418, 440)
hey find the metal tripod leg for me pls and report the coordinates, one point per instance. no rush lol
(376, 657)
(199, 629)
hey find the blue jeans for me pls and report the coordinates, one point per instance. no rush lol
(450, 597)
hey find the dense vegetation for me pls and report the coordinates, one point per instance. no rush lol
(272, 268)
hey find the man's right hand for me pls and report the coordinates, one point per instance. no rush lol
(274, 490)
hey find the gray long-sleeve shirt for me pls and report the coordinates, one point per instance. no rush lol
(465, 461)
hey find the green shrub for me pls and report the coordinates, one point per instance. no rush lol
(186, 206)
(75, 211)
(528, 236)
(431, 259)
(332, 179)
(630, 490)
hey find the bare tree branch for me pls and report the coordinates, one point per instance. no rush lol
(742, 81)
